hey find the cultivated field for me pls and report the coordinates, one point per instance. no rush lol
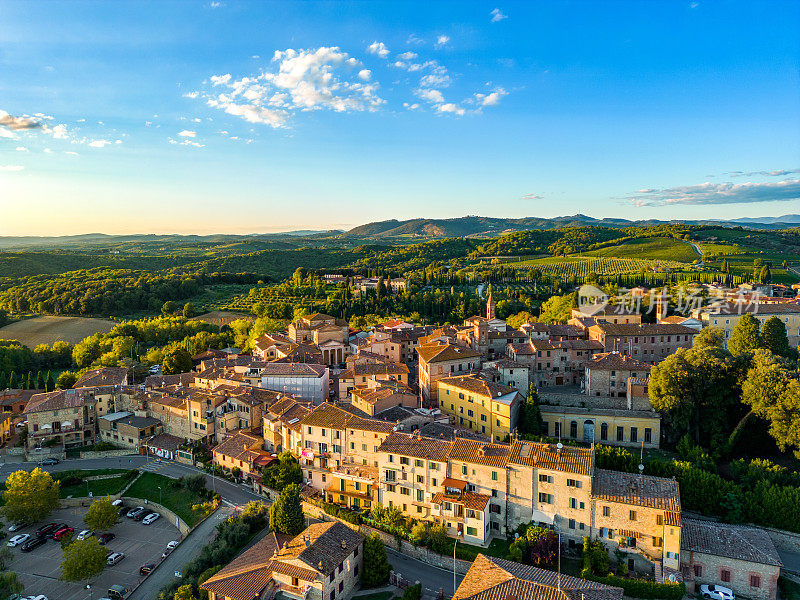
(580, 267)
(221, 317)
(656, 248)
(46, 330)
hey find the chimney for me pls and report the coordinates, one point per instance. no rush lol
(344, 545)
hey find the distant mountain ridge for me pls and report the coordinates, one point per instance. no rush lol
(475, 226)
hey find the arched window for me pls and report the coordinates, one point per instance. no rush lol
(604, 432)
(573, 429)
(588, 431)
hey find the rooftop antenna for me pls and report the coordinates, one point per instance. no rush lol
(641, 460)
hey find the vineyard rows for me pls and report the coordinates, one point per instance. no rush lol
(606, 266)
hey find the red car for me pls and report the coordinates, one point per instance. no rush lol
(62, 532)
(146, 569)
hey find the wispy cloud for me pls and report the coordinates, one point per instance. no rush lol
(719, 193)
(531, 197)
(497, 15)
(11, 168)
(378, 48)
(186, 142)
(324, 78)
(10, 124)
(99, 143)
(776, 173)
(442, 40)
(187, 133)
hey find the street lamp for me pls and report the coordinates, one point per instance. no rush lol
(159, 494)
(89, 587)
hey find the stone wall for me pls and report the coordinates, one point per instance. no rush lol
(109, 453)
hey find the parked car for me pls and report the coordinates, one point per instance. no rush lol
(170, 547)
(50, 461)
(146, 569)
(140, 516)
(135, 511)
(716, 592)
(84, 535)
(33, 543)
(152, 517)
(62, 532)
(48, 529)
(39, 597)
(114, 558)
(16, 526)
(104, 538)
(117, 592)
(18, 539)
(118, 502)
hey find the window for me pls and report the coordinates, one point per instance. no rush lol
(634, 434)
(632, 515)
(698, 570)
(725, 575)
(573, 483)
(472, 531)
(494, 475)
(545, 478)
(405, 491)
(545, 498)
(648, 435)
(573, 429)
(658, 542)
(419, 463)
(659, 520)
(604, 432)
(606, 511)
(433, 466)
(404, 460)
(463, 469)
(755, 581)
(420, 479)
(573, 503)
(572, 523)
(620, 434)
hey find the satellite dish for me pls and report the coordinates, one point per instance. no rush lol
(559, 445)
(641, 468)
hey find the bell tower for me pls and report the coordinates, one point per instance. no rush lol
(490, 307)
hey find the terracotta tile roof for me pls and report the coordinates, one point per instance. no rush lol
(104, 376)
(157, 381)
(614, 361)
(473, 451)
(470, 500)
(247, 575)
(322, 546)
(445, 352)
(638, 490)
(571, 459)
(643, 329)
(367, 369)
(729, 541)
(57, 400)
(487, 389)
(409, 445)
(735, 308)
(236, 446)
(491, 578)
(329, 415)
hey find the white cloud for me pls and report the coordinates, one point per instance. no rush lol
(220, 79)
(719, 193)
(415, 40)
(187, 133)
(22, 149)
(191, 95)
(10, 168)
(693, 5)
(9, 124)
(47, 151)
(99, 143)
(531, 197)
(451, 108)
(436, 78)
(59, 132)
(442, 40)
(301, 80)
(378, 48)
(497, 15)
(491, 99)
(216, 4)
(434, 96)
(409, 106)
(71, 152)
(186, 143)
(407, 56)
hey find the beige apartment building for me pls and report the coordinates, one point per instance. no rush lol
(437, 361)
(64, 416)
(607, 373)
(726, 316)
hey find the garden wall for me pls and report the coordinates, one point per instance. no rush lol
(108, 453)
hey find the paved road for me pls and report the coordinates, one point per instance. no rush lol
(432, 578)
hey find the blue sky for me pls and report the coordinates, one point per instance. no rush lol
(201, 117)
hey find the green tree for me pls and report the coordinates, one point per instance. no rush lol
(66, 380)
(49, 382)
(696, 388)
(83, 559)
(286, 513)
(189, 310)
(29, 496)
(169, 307)
(185, 592)
(709, 337)
(518, 319)
(176, 360)
(530, 420)
(773, 392)
(746, 336)
(557, 309)
(286, 471)
(774, 337)
(9, 585)
(376, 566)
(102, 515)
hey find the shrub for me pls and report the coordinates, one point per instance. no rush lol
(413, 592)
(342, 513)
(641, 588)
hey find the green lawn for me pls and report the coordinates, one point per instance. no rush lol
(179, 501)
(497, 548)
(100, 487)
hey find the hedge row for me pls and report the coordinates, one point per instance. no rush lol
(640, 588)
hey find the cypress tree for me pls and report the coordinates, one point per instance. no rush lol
(12, 380)
(31, 382)
(39, 381)
(49, 382)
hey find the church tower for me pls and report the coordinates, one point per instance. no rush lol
(490, 307)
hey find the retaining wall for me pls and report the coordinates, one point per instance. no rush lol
(108, 453)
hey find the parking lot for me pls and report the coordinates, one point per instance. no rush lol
(40, 569)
